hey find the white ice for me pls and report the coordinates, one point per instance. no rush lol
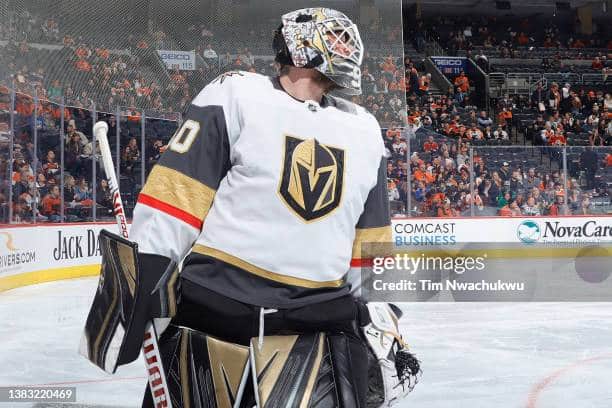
(474, 355)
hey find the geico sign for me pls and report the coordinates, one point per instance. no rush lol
(449, 62)
(176, 57)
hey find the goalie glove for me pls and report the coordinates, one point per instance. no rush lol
(133, 288)
(393, 369)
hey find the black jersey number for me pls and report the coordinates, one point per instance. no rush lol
(184, 137)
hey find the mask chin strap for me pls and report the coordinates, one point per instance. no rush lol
(315, 62)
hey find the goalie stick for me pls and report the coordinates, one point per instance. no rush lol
(153, 360)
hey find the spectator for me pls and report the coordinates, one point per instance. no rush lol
(588, 162)
(210, 55)
(538, 98)
(50, 166)
(511, 209)
(446, 210)
(41, 185)
(531, 208)
(392, 190)
(484, 120)
(532, 180)
(72, 156)
(500, 133)
(430, 145)
(51, 203)
(462, 82)
(82, 193)
(130, 156)
(558, 207)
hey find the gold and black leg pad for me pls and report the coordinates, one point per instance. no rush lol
(306, 371)
(133, 288)
(201, 370)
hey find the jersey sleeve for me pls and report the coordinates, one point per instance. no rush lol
(179, 191)
(374, 224)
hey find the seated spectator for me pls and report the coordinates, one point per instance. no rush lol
(462, 82)
(473, 133)
(69, 190)
(446, 210)
(585, 206)
(531, 207)
(546, 134)
(430, 145)
(557, 139)
(500, 133)
(51, 203)
(392, 190)
(484, 120)
(558, 207)
(504, 199)
(504, 117)
(82, 192)
(210, 54)
(511, 209)
(399, 146)
(130, 156)
(597, 64)
(73, 160)
(531, 180)
(41, 185)
(71, 131)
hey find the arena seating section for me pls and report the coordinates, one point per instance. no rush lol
(439, 165)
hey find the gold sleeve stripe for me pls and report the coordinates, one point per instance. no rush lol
(179, 191)
(370, 235)
(262, 273)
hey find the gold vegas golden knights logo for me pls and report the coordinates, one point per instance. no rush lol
(311, 182)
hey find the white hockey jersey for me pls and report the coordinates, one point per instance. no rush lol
(268, 196)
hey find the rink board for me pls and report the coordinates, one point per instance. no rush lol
(39, 253)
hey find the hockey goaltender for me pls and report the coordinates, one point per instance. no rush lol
(263, 196)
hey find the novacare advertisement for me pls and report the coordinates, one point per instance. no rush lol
(49, 246)
(450, 231)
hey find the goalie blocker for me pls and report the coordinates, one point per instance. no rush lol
(132, 289)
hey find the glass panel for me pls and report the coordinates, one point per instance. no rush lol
(397, 177)
(24, 190)
(5, 153)
(158, 134)
(48, 173)
(434, 174)
(130, 160)
(78, 163)
(518, 180)
(590, 179)
(104, 198)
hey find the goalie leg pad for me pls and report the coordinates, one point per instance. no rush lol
(123, 302)
(314, 370)
(201, 371)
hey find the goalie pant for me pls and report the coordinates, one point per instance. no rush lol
(229, 320)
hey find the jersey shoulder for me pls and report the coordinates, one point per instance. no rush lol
(230, 85)
(352, 108)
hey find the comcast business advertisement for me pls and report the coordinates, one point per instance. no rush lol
(512, 259)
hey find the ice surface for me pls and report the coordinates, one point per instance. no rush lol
(474, 355)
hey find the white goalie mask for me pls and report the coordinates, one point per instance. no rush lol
(323, 39)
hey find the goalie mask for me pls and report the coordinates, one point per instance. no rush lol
(323, 39)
